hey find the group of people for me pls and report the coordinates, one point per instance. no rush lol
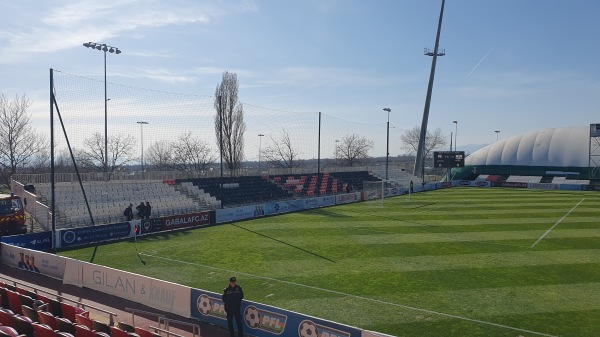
(143, 211)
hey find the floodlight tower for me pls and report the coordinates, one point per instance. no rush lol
(103, 47)
(435, 53)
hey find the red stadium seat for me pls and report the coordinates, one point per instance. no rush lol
(23, 325)
(48, 319)
(42, 330)
(85, 321)
(9, 331)
(83, 331)
(14, 302)
(6, 318)
(116, 332)
(69, 312)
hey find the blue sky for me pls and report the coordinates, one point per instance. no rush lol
(512, 65)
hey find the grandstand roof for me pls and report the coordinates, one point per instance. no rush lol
(558, 147)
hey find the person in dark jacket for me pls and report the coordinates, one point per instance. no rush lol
(232, 297)
(128, 213)
(141, 210)
(147, 210)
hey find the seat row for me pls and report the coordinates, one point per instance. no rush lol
(24, 313)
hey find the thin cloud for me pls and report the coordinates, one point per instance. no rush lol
(67, 26)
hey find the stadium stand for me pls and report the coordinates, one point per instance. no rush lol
(107, 200)
(565, 180)
(353, 179)
(42, 322)
(240, 190)
(523, 179)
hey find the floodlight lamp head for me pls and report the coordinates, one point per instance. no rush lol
(117, 51)
(87, 45)
(111, 50)
(104, 48)
(387, 109)
(99, 47)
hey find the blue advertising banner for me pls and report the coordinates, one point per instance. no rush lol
(570, 187)
(239, 213)
(265, 321)
(298, 205)
(284, 207)
(150, 226)
(37, 241)
(84, 235)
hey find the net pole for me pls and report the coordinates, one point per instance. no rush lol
(52, 205)
(382, 194)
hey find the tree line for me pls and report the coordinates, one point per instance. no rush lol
(23, 149)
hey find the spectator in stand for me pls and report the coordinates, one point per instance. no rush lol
(148, 210)
(128, 213)
(141, 210)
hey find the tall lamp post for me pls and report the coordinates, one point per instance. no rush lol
(141, 123)
(497, 132)
(260, 135)
(387, 148)
(455, 133)
(103, 47)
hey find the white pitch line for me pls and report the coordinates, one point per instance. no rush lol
(359, 297)
(556, 224)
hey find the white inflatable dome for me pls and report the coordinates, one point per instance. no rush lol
(558, 147)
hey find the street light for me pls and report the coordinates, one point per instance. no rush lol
(104, 48)
(260, 135)
(387, 149)
(497, 132)
(455, 134)
(142, 143)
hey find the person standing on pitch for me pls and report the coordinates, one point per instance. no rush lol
(232, 297)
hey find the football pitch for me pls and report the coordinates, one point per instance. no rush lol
(452, 262)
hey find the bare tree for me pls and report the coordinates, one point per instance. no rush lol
(159, 155)
(191, 154)
(353, 150)
(20, 143)
(229, 121)
(120, 150)
(280, 152)
(433, 140)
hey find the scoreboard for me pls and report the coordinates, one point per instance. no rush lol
(448, 159)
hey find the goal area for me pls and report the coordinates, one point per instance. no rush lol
(377, 191)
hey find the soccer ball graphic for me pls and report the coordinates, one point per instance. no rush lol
(251, 317)
(307, 329)
(204, 305)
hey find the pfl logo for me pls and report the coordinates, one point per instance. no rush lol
(308, 328)
(264, 320)
(211, 306)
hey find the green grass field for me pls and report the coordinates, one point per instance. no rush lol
(453, 262)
